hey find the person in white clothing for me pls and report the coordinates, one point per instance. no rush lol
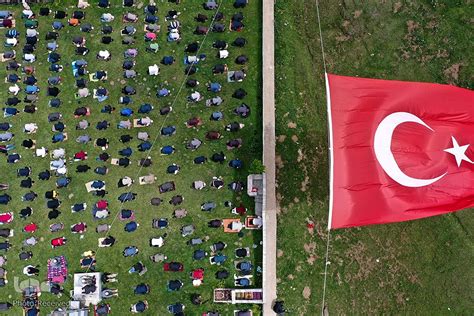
(14, 89)
(31, 128)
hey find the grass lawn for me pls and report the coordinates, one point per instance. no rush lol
(421, 267)
(172, 77)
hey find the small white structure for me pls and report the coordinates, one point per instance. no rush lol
(82, 279)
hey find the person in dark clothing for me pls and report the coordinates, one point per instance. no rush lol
(190, 70)
(56, 289)
(104, 157)
(81, 111)
(192, 48)
(191, 83)
(108, 241)
(156, 201)
(241, 60)
(222, 274)
(53, 214)
(107, 29)
(102, 142)
(144, 146)
(102, 125)
(103, 3)
(53, 91)
(60, 14)
(176, 200)
(125, 138)
(82, 168)
(53, 204)
(54, 103)
(106, 40)
(82, 51)
(239, 42)
(219, 69)
(127, 152)
(25, 255)
(5, 126)
(26, 183)
(13, 158)
(141, 288)
(101, 170)
(128, 196)
(24, 172)
(30, 109)
(27, 143)
(201, 18)
(107, 109)
(165, 110)
(145, 162)
(199, 160)
(44, 175)
(12, 101)
(239, 94)
(59, 127)
(218, 157)
(81, 83)
(30, 196)
(100, 193)
(44, 11)
(26, 212)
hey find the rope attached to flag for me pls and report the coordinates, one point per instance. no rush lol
(326, 260)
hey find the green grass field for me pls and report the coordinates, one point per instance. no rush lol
(110, 259)
(422, 267)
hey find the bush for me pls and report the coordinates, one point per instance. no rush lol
(256, 167)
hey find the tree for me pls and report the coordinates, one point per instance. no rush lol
(256, 167)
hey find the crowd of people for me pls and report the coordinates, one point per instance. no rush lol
(92, 94)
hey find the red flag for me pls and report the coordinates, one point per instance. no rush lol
(399, 150)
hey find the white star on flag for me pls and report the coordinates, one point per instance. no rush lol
(459, 152)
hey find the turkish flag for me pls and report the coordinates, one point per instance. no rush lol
(399, 150)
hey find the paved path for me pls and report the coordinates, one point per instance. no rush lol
(268, 95)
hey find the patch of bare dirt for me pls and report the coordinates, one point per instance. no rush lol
(412, 26)
(279, 162)
(292, 125)
(311, 259)
(279, 253)
(291, 277)
(431, 25)
(294, 138)
(304, 184)
(307, 292)
(357, 13)
(442, 53)
(343, 38)
(358, 254)
(296, 200)
(281, 138)
(397, 6)
(400, 297)
(309, 248)
(452, 73)
(300, 155)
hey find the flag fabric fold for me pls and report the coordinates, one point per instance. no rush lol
(399, 150)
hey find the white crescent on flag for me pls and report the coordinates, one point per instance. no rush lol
(383, 142)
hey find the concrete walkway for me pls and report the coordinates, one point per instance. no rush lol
(269, 209)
